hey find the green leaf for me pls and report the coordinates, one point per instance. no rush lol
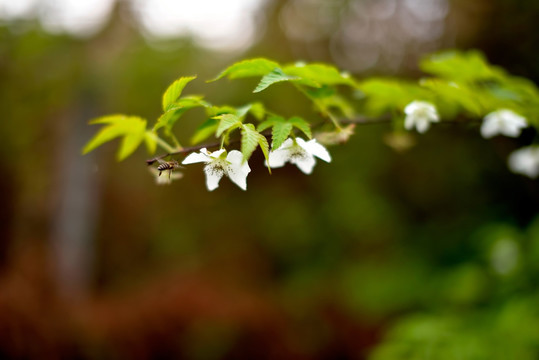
(250, 139)
(205, 130)
(281, 128)
(174, 91)
(280, 133)
(109, 119)
(209, 127)
(264, 146)
(243, 110)
(384, 95)
(321, 74)
(130, 143)
(275, 76)
(302, 125)
(219, 110)
(264, 125)
(104, 135)
(257, 110)
(169, 118)
(335, 101)
(516, 93)
(271, 121)
(176, 110)
(342, 104)
(321, 92)
(453, 97)
(131, 128)
(248, 68)
(461, 66)
(150, 141)
(525, 89)
(192, 101)
(226, 122)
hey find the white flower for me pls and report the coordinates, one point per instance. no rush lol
(165, 179)
(505, 122)
(217, 165)
(420, 114)
(299, 152)
(525, 161)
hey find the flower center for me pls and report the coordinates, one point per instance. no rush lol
(218, 167)
(422, 113)
(297, 153)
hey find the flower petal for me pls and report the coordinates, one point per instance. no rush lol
(505, 122)
(238, 176)
(197, 157)
(278, 158)
(213, 176)
(215, 154)
(409, 122)
(235, 157)
(511, 130)
(433, 115)
(420, 114)
(413, 107)
(305, 163)
(238, 169)
(525, 161)
(422, 125)
(489, 127)
(510, 116)
(313, 147)
(286, 144)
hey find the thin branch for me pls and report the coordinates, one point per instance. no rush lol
(363, 120)
(197, 147)
(358, 121)
(183, 151)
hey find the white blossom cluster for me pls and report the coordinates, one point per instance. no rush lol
(419, 115)
(219, 163)
(503, 122)
(525, 161)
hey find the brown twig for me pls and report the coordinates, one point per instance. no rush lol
(183, 151)
(267, 134)
(368, 121)
(358, 121)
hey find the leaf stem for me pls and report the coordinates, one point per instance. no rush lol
(325, 112)
(333, 119)
(174, 140)
(222, 141)
(163, 144)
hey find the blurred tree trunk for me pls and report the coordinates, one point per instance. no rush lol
(72, 238)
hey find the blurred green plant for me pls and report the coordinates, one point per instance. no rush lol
(489, 310)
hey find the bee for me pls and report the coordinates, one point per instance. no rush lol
(167, 166)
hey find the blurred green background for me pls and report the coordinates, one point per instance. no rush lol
(432, 253)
